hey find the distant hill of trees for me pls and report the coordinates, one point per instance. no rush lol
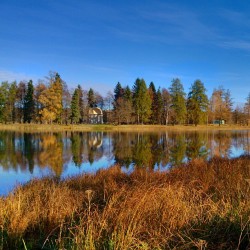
(50, 101)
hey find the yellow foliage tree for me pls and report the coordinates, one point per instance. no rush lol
(51, 100)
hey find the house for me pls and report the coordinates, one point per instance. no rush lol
(95, 116)
(220, 122)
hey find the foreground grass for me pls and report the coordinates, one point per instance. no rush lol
(200, 205)
(108, 127)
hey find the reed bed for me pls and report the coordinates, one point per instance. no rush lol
(199, 205)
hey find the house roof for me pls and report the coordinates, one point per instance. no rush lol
(95, 111)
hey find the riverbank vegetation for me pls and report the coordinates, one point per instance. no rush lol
(109, 127)
(50, 101)
(198, 205)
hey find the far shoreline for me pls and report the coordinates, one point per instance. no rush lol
(116, 128)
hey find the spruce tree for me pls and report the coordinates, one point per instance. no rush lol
(142, 101)
(91, 99)
(75, 111)
(118, 91)
(81, 103)
(154, 103)
(29, 103)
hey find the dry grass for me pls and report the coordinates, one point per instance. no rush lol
(107, 127)
(200, 205)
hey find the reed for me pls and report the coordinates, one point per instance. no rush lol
(199, 205)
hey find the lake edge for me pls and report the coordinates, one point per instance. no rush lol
(115, 128)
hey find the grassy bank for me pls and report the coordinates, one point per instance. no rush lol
(107, 127)
(200, 205)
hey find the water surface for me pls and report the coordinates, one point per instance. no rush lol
(24, 156)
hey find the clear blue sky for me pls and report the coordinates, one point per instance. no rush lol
(98, 43)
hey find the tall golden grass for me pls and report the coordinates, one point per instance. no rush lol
(199, 205)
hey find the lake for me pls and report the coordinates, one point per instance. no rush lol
(24, 156)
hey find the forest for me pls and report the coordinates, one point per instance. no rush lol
(50, 101)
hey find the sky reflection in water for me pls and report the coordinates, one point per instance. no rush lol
(25, 156)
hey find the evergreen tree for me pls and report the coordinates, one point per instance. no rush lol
(29, 103)
(58, 91)
(81, 103)
(91, 98)
(197, 103)
(142, 101)
(3, 100)
(158, 107)
(178, 101)
(20, 99)
(128, 95)
(75, 109)
(154, 101)
(118, 91)
(118, 101)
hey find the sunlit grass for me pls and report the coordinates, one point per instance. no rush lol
(108, 127)
(199, 205)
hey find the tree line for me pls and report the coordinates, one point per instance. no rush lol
(50, 101)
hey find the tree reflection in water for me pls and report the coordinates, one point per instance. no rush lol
(56, 151)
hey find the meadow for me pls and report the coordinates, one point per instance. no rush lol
(198, 205)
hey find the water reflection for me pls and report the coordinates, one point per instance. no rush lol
(63, 153)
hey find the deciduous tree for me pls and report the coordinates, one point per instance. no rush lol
(51, 99)
(167, 103)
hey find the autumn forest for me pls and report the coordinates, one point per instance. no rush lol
(50, 101)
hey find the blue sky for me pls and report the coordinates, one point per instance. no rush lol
(98, 43)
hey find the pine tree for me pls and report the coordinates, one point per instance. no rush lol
(142, 101)
(29, 103)
(178, 101)
(197, 103)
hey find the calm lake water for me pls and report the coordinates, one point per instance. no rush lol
(24, 156)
